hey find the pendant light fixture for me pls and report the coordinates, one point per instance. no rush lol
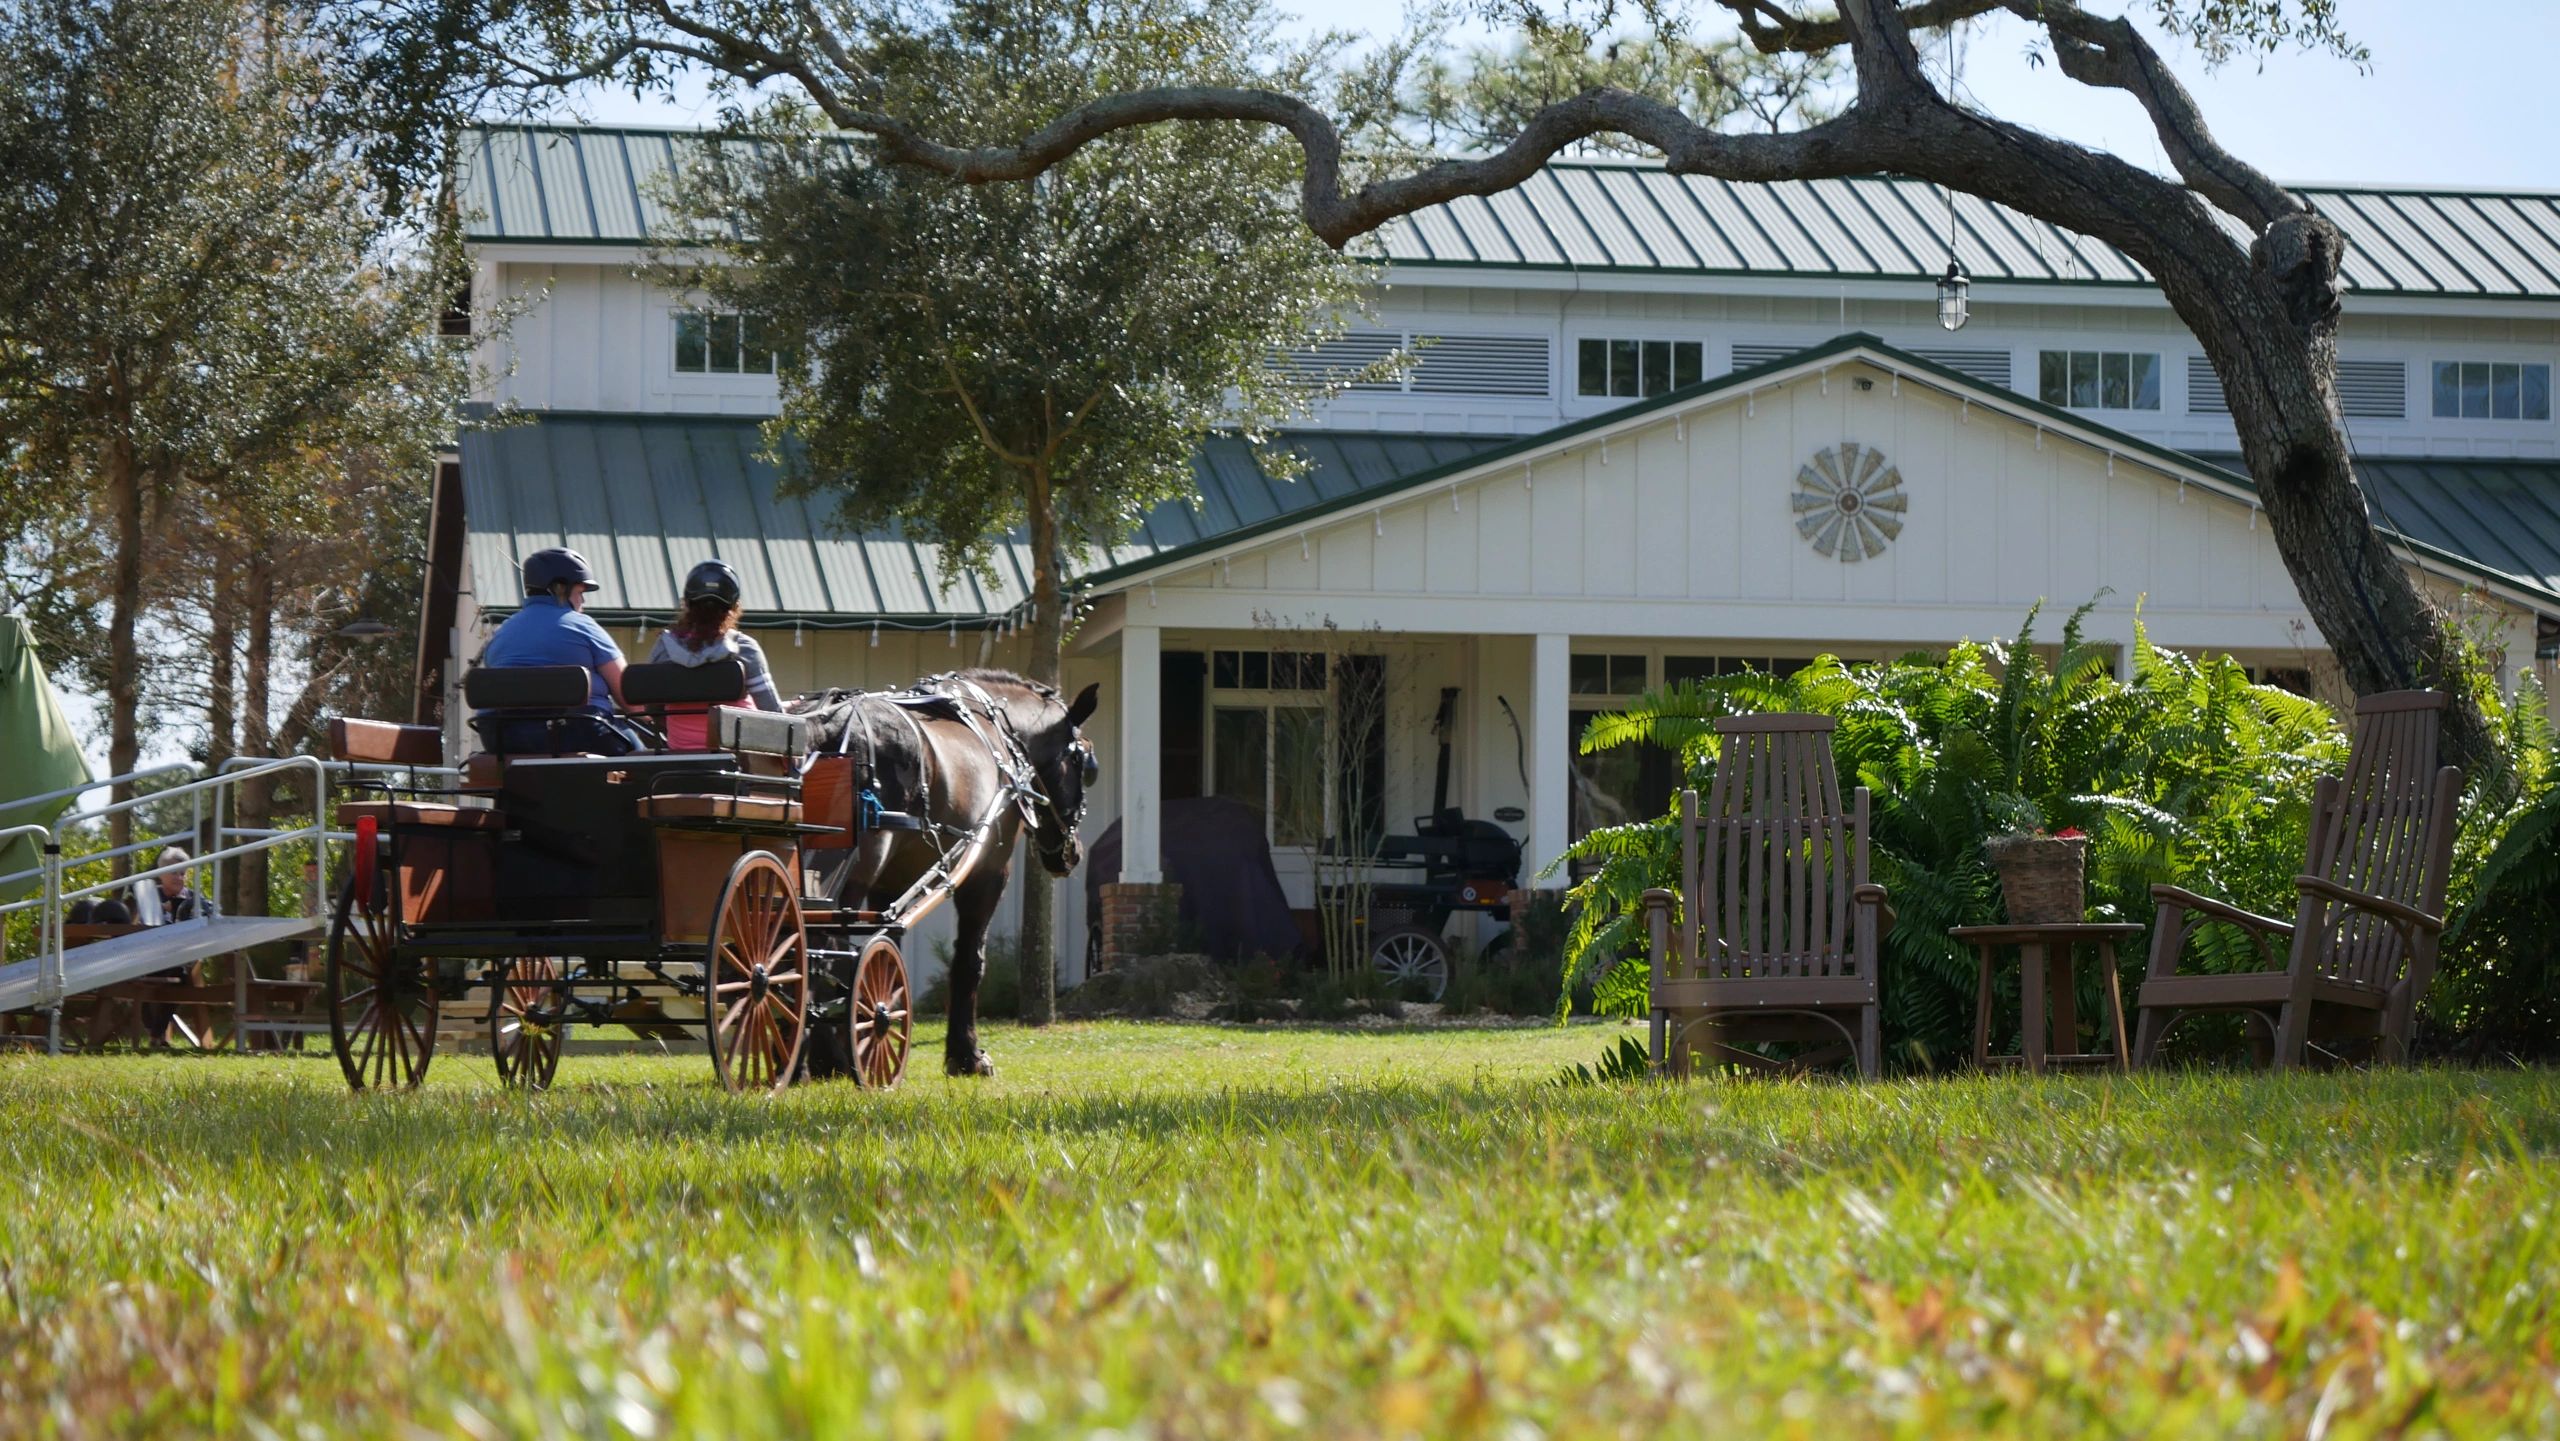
(1954, 285)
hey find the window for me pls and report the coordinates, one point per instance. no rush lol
(1678, 668)
(721, 342)
(2099, 379)
(1594, 674)
(1637, 367)
(455, 322)
(2492, 390)
(2296, 679)
(1267, 739)
(1266, 670)
(1623, 784)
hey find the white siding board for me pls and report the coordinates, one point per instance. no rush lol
(1345, 562)
(1398, 547)
(2176, 573)
(1660, 531)
(1556, 508)
(1608, 520)
(1505, 521)
(1451, 538)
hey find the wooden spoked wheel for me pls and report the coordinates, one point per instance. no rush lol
(882, 1015)
(528, 1020)
(382, 1010)
(1413, 961)
(756, 999)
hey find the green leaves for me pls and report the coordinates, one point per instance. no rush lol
(2185, 773)
(970, 360)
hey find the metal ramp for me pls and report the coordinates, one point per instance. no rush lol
(130, 958)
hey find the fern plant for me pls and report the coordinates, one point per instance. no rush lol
(2184, 772)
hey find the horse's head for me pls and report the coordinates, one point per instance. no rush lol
(1063, 766)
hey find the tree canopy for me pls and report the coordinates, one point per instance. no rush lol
(210, 315)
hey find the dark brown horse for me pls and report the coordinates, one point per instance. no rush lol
(981, 754)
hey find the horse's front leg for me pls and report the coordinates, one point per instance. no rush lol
(973, 910)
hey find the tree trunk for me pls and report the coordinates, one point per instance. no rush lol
(2272, 338)
(124, 683)
(257, 798)
(1039, 942)
(222, 712)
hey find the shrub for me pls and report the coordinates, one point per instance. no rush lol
(999, 984)
(2185, 773)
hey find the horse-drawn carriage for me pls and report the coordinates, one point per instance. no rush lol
(664, 890)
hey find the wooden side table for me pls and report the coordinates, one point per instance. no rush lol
(2047, 1034)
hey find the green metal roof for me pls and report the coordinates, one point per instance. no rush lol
(590, 185)
(645, 497)
(2501, 515)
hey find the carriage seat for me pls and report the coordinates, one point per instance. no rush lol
(680, 698)
(389, 814)
(383, 743)
(709, 806)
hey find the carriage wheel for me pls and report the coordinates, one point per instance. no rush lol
(382, 1009)
(757, 973)
(881, 1015)
(1413, 961)
(528, 1020)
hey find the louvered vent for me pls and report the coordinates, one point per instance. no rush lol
(2374, 389)
(2204, 388)
(1339, 358)
(1481, 365)
(2367, 389)
(1991, 367)
(1747, 356)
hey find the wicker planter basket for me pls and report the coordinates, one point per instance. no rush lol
(2041, 878)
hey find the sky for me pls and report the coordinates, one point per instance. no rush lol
(2439, 106)
(2458, 94)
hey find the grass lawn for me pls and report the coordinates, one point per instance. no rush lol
(1185, 1231)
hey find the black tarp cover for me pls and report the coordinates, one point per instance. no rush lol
(1231, 897)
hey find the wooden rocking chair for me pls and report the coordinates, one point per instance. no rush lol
(1774, 932)
(2362, 945)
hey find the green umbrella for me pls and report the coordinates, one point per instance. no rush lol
(38, 753)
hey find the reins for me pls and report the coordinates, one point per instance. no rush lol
(992, 726)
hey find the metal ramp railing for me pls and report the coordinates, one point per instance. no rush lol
(56, 971)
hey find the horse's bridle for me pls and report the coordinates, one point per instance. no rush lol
(1021, 777)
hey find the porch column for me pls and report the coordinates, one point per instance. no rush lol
(1141, 755)
(1550, 753)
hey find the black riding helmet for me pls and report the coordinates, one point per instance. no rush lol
(713, 579)
(546, 568)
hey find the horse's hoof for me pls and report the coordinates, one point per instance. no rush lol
(975, 1064)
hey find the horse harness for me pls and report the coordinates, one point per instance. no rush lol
(953, 696)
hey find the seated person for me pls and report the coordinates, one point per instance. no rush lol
(708, 631)
(553, 629)
(167, 898)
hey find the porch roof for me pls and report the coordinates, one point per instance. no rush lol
(644, 497)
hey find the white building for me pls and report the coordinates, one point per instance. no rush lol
(1613, 466)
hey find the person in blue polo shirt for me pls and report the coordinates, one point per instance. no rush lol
(553, 629)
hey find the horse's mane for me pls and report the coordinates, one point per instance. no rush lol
(989, 675)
